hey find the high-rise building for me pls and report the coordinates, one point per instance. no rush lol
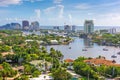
(73, 28)
(88, 27)
(34, 25)
(112, 31)
(25, 25)
(67, 28)
(56, 28)
(15, 26)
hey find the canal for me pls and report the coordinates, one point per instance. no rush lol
(76, 49)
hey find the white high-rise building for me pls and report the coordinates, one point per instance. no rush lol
(88, 27)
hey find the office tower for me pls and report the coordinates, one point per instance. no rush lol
(34, 25)
(25, 25)
(67, 28)
(56, 27)
(73, 28)
(112, 31)
(15, 26)
(88, 27)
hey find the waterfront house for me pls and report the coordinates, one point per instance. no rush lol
(99, 62)
(41, 64)
(69, 62)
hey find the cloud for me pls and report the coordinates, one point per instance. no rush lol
(56, 10)
(70, 18)
(108, 19)
(49, 9)
(38, 13)
(13, 19)
(5, 3)
(57, 1)
(61, 11)
(33, 0)
(83, 6)
(109, 4)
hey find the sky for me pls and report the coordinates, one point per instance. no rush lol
(60, 12)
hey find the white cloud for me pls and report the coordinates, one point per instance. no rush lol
(38, 13)
(4, 3)
(70, 18)
(33, 0)
(13, 19)
(109, 4)
(83, 6)
(112, 19)
(9, 2)
(57, 10)
(61, 11)
(49, 9)
(57, 1)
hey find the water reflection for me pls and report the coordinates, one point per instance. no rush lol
(88, 43)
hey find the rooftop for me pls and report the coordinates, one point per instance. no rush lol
(69, 60)
(1, 67)
(101, 61)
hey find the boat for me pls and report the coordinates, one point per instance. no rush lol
(84, 49)
(118, 53)
(69, 47)
(113, 56)
(104, 49)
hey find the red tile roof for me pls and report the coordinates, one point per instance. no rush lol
(1, 67)
(69, 60)
(101, 61)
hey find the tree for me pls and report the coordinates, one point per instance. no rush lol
(1, 58)
(27, 69)
(36, 73)
(7, 71)
(61, 74)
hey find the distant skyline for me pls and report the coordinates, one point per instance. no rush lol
(58, 12)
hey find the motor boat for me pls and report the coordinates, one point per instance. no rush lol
(118, 53)
(104, 49)
(69, 47)
(84, 49)
(113, 56)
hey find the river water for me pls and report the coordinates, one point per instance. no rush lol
(74, 50)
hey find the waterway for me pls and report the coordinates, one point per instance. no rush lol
(74, 50)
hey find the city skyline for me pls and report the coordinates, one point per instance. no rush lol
(58, 12)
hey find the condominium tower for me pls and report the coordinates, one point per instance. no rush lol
(88, 27)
